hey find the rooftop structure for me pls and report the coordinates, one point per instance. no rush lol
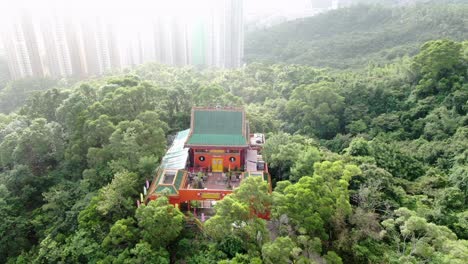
(209, 160)
(217, 128)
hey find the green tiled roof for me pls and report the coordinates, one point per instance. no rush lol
(178, 179)
(217, 122)
(166, 188)
(217, 128)
(172, 188)
(217, 140)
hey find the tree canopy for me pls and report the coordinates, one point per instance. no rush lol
(369, 164)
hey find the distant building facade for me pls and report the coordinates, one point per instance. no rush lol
(57, 59)
(59, 46)
(21, 47)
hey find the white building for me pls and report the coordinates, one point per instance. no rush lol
(63, 42)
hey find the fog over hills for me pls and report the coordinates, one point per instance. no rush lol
(356, 35)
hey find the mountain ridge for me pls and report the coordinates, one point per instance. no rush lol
(354, 36)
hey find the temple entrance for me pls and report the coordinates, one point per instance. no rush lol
(217, 165)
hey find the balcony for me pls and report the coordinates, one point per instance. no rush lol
(213, 181)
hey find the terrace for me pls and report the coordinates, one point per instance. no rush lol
(172, 181)
(213, 181)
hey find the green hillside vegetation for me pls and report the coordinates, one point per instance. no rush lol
(353, 37)
(4, 72)
(15, 93)
(368, 166)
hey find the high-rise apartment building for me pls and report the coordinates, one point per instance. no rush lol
(234, 32)
(218, 35)
(180, 43)
(57, 59)
(59, 44)
(101, 50)
(163, 39)
(22, 47)
(76, 46)
(172, 36)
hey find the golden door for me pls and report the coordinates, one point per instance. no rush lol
(217, 165)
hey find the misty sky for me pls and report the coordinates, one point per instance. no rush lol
(129, 15)
(133, 7)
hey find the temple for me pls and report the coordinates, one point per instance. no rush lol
(209, 160)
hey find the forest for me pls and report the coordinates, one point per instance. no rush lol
(369, 166)
(369, 163)
(357, 36)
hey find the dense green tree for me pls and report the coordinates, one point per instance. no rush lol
(356, 36)
(81, 248)
(113, 202)
(213, 95)
(98, 131)
(236, 221)
(459, 174)
(40, 146)
(135, 139)
(115, 199)
(440, 67)
(398, 163)
(417, 240)
(44, 104)
(304, 165)
(122, 235)
(160, 222)
(320, 203)
(144, 253)
(316, 110)
(15, 93)
(57, 213)
(13, 227)
(281, 152)
(282, 250)
(440, 124)
(261, 119)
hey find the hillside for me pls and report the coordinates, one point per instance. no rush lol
(368, 166)
(4, 72)
(351, 37)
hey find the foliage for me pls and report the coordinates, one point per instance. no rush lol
(368, 165)
(351, 37)
(417, 240)
(316, 109)
(160, 222)
(236, 225)
(282, 150)
(317, 203)
(282, 250)
(15, 93)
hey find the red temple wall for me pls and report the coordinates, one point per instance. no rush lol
(207, 162)
(198, 195)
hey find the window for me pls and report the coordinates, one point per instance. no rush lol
(168, 177)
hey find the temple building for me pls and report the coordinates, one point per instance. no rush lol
(209, 160)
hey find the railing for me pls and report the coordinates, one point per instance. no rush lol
(198, 169)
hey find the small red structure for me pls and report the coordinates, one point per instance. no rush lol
(209, 160)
